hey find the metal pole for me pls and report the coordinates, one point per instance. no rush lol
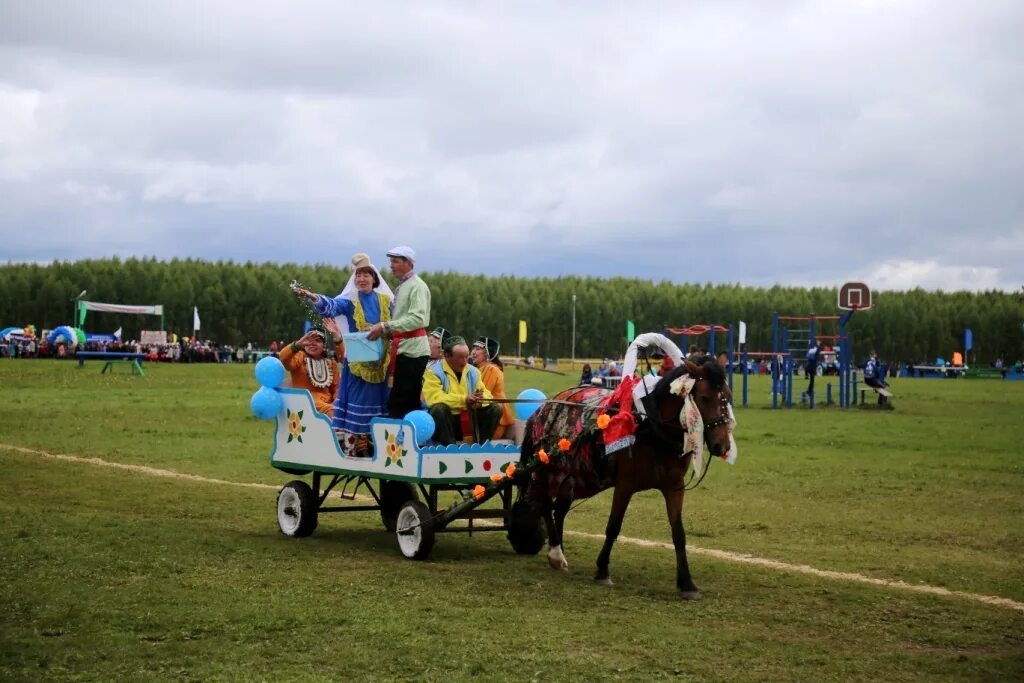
(744, 370)
(574, 331)
(774, 361)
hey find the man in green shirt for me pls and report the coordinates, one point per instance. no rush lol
(410, 350)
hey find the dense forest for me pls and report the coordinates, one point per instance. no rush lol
(250, 302)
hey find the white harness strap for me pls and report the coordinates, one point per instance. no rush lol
(648, 340)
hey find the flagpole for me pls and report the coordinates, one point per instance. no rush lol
(574, 331)
(78, 305)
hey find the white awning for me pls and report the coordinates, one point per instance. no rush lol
(122, 308)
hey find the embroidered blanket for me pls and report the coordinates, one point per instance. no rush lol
(585, 469)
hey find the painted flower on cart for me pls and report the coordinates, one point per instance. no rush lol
(295, 427)
(393, 450)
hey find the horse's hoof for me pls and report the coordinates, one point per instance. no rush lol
(690, 595)
(557, 561)
(606, 581)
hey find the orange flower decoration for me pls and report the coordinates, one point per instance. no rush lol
(564, 444)
(542, 455)
(510, 471)
(478, 491)
(497, 476)
(603, 420)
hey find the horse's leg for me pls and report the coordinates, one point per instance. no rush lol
(557, 512)
(674, 507)
(620, 501)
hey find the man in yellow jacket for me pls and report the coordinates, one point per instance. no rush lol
(457, 398)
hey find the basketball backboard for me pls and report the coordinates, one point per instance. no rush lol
(854, 296)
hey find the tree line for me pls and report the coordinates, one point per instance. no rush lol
(251, 302)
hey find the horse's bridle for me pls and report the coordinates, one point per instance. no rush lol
(659, 427)
(722, 419)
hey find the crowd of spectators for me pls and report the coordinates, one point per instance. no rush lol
(183, 351)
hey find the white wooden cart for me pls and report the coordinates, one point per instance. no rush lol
(403, 479)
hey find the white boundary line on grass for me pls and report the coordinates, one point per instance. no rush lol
(641, 542)
(138, 469)
(807, 569)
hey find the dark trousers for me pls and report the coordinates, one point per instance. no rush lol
(407, 386)
(448, 427)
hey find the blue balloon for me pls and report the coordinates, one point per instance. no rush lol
(423, 425)
(270, 372)
(266, 403)
(525, 410)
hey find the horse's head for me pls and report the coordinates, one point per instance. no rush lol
(710, 394)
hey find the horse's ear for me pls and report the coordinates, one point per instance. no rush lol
(692, 369)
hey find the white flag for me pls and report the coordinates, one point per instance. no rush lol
(743, 332)
(195, 317)
(117, 333)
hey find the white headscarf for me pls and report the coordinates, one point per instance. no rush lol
(351, 292)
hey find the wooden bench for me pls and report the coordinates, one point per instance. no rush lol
(881, 391)
(133, 360)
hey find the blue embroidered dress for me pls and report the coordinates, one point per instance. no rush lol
(363, 393)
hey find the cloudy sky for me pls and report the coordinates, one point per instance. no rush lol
(757, 142)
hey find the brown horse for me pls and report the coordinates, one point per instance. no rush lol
(656, 460)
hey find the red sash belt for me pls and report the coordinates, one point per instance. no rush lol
(396, 337)
(466, 423)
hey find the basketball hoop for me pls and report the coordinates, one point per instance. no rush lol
(854, 296)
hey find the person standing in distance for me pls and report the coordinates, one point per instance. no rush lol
(811, 368)
(408, 331)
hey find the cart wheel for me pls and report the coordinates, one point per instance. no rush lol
(525, 528)
(394, 494)
(415, 530)
(296, 509)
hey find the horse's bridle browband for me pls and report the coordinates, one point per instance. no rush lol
(724, 417)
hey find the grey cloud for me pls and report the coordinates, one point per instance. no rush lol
(812, 142)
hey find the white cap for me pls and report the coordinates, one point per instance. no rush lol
(404, 252)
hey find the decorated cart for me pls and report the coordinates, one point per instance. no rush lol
(403, 480)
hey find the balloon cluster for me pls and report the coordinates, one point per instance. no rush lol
(266, 403)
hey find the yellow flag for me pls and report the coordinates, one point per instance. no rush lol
(522, 331)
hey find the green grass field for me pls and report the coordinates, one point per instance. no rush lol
(111, 574)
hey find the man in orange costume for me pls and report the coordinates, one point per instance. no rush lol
(312, 370)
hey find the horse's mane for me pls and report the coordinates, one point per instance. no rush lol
(713, 372)
(663, 387)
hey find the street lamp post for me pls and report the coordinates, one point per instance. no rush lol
(574, 331)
